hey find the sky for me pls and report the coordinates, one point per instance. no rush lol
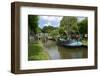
(52, 20)
(49, 20)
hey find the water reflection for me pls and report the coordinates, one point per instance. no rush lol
(58, 52)
(71, 53)
(52, 49)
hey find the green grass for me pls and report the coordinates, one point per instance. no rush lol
(36, 51)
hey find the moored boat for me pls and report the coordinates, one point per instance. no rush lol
(70, 43)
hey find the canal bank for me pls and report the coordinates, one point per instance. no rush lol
(36, 51)
(49, 50)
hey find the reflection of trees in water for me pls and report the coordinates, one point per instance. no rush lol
(44, 39)
(57, 52)
(70, 53)
(52, 49)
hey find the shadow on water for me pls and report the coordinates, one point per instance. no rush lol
(58, 52)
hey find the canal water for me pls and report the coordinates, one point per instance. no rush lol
(58, 52)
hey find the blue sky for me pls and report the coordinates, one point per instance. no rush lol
(52, 20)
(49, 20)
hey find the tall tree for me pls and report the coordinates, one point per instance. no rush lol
(33, 23)
(83, 26)
(68, 24)
(33, 26)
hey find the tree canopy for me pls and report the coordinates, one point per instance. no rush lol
(48, 29)
(83, 26)
(69, 23)
(33, 23)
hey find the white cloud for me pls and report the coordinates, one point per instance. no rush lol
(51, 18)
(44, 17)
(59, 18)
(81, 18)
(47, 24)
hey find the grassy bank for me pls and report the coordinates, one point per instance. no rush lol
(36, 51)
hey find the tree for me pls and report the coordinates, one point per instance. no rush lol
(33, 25)
(54, 34)
(83, 26)
(39, 30)
(68, 24)
(61, 30)
(48, 29)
